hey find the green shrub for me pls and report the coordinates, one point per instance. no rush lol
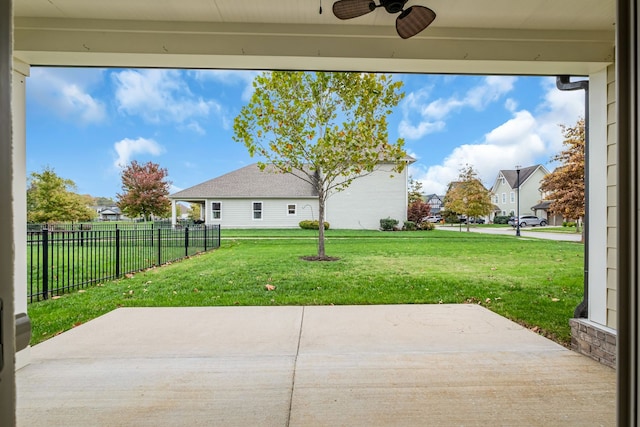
(308, 224)
(568, 224)
(388, 224)
(409, 226)
(426, 226)
(501, 219)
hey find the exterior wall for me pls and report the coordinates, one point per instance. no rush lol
(238, 213)
(369, 199)
(529, 192)
(597, 215)
(502, 186)
(611, 241)
(596, 336)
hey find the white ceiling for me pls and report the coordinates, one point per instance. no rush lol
(472, 36)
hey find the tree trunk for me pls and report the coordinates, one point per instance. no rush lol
(321, 201)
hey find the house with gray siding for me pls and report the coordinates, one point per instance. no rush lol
(506, 196)
(253, 198)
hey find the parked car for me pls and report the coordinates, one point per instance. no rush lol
(526, 220)
(433, 219)
(473, 220)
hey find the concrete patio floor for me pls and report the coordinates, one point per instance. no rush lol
(395, 365)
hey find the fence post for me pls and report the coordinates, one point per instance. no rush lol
(117, 252)
(186, 241)
(205, 237)
(45, 263)
(159, 247)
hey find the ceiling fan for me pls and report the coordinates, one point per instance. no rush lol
(409, 23)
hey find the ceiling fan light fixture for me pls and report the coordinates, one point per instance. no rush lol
(413, 20)
(347, 9)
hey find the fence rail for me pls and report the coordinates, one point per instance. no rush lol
(62, 260)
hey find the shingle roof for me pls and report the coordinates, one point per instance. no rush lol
(512, 177)
(250, 181)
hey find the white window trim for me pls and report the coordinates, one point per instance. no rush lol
(214, 210)
(504, 197)
(295, 209)
(253, 211)
(512, 197)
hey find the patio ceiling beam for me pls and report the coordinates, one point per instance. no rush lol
(74, 42)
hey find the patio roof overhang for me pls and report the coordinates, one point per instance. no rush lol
(473, 36)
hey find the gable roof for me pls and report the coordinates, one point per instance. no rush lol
(512, 176)
(250, 181)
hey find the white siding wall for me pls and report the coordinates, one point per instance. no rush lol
(529, 192)
(369, 199)
(238, 213)
(499, 189)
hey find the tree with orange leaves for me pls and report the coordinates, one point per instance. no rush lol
(565, 185)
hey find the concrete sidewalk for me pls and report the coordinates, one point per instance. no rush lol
(395, 365)
(525, 232)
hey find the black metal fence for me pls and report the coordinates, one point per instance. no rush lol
(63, 259)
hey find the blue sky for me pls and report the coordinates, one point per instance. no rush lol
(87, 123)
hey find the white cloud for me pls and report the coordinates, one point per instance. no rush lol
(127, 148)
(160, 96)
(431, 115)
(66, 93)
(523, 139)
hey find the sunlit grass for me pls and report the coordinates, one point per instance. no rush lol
(535, 282)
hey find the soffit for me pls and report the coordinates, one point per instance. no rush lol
(475, 36)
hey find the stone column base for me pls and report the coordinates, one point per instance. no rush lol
(594, 340)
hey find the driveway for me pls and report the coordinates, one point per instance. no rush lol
(392, 365)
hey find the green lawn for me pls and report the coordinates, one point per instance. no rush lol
(535, 282)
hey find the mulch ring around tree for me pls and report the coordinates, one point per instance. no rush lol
(319, 258)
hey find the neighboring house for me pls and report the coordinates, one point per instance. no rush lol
(542, 210)
(109, 213)
(435, 202)
(252, 198)
(505, 194)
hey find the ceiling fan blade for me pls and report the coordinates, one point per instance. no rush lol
(347, 9)
(413, 20)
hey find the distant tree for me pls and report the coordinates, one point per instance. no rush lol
(467, 196)
(51, 198)
(144, 191)
(195, 211)
(414, 191)
(104, 201)
(325, 128)
(565, 185)
(418, 211)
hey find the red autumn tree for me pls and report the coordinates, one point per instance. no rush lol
(144, 191)
(565, 185)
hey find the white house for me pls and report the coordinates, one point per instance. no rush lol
(252, 198)
(505, 195)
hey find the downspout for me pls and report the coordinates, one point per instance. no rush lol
(564, 83)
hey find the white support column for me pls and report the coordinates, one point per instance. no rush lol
(205, 212)
(19, 106)
(597, 215)
(7, 219)
(173, 213)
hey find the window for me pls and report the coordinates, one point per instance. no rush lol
(257, 210)
(513, 197)
(504, 197)
(216, 210)
(291, 209)
(496, 199)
